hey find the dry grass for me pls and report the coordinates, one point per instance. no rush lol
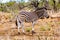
(46, 29)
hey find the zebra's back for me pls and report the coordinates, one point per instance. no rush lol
(27, 16)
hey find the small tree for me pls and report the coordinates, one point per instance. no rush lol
(35, 3)
(54, 6)
(59, 1)
(46, 4)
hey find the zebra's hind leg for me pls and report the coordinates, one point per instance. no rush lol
(19, 25)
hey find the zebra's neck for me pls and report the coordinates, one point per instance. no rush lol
(40, 12)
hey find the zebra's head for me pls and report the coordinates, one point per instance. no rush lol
(42, 13)
(45, 15)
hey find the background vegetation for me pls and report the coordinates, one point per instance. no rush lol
(14, 6)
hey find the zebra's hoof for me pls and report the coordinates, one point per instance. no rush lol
(33, 32)
(18, 32)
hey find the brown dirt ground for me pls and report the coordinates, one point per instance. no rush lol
(46, 29)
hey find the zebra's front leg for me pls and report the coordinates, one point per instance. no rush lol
(22, 24)
(33, 23)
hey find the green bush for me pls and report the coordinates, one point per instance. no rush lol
(28, 29)
(45, 28)
(14, 7)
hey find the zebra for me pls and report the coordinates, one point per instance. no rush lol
(25, 16)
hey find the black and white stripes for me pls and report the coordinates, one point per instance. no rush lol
(25, 16)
